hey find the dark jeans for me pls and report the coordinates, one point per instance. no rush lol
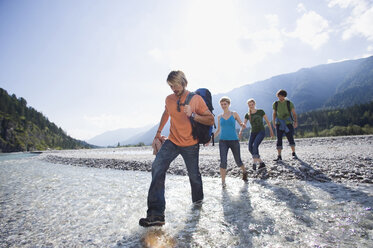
(289, 135)
(224, 146)
(254, 142)
(168, 152)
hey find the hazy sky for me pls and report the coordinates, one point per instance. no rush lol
(93, 66)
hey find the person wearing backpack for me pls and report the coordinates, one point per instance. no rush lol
(228, 139)
(285, 120)
(180, 141)
(256, 116)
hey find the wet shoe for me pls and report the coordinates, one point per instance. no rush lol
(261, 166)
(254, 167)
(244, 176)
(152, 221)
(278, 159)
(294, 155)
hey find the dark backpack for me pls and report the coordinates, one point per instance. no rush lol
(200, 131)
(288, 105)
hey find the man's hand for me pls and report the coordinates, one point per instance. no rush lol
(188, 110)
(295, 124)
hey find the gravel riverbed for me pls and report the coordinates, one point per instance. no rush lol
(94, 198)
(336, 159)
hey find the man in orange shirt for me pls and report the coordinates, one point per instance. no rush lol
(180, 141)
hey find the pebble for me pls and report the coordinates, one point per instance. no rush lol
(350, 159)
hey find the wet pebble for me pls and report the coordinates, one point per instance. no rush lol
(330, 159)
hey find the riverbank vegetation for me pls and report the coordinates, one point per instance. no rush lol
(23, 128)
(355, 120)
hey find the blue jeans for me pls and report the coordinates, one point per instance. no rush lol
(254, 142)
(168, 152)
(289, 135)
(224, 146)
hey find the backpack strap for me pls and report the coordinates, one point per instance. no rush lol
(288, 104)
(188, 98)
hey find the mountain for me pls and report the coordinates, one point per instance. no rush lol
(23, 128)
(335, 85)
(148, 136)
(111, 138)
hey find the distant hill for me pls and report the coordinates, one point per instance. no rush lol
(111, 138)
(23, 128)
(336, 85)
(329, 86)
(353, 120)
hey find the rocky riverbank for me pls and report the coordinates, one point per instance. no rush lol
(337, 159)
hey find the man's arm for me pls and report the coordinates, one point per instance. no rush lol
(295, 124)
(206, 118)
(218, 130)
(274, 118)
(163, 122)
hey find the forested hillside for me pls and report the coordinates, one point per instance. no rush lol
(336, 85)
(23, 128)
(355, 120)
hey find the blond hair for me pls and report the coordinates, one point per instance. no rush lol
(225, 99)
(177, 78)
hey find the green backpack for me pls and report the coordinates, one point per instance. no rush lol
(288, 105)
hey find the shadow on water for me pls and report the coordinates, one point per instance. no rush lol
(159, 236)
(185, 236)
(335, 189)
(300, 206)
(238, 220)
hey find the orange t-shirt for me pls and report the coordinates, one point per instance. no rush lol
(181, 128)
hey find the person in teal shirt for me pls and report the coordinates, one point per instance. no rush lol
(285, 120)
(229, 139)
(256, 116)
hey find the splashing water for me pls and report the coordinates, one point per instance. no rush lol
(45, 204)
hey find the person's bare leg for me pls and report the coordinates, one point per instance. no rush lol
(244, 173)
(223, 173)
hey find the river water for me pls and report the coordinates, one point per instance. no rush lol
(51, 205)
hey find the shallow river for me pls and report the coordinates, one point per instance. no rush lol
(51, 205)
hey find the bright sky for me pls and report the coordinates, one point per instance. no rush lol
(92, 66)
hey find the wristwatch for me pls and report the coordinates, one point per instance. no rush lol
(193, 115)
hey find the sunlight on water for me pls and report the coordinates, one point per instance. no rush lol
(44, 204)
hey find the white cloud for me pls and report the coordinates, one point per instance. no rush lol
(359, 23)
(266, 41)
(301, 8)
(218, 48)
(330, 61)
(312, 29)
(370, 48)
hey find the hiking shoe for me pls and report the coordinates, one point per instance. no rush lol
(152, 221)
(244, 176)
(278, 159)
(261, 166)
(294, 155)
(223, 185)
(254, 166)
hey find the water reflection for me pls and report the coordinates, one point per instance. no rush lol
(237, 217)
(51, 205)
